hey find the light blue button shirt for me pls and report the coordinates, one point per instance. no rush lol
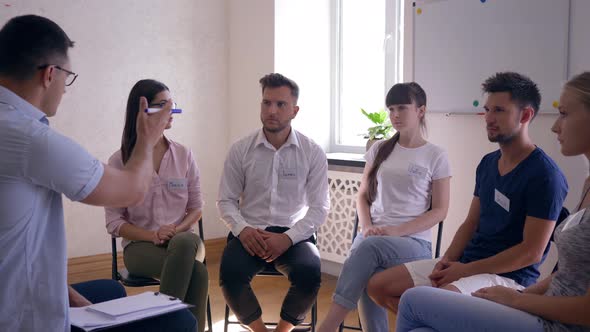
(37, 165)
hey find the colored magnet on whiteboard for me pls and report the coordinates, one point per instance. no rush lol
(419, 11)
(555, 104)
(483, 1)
(475, 103)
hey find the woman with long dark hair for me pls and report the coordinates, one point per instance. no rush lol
(404, 192)
(158, 238)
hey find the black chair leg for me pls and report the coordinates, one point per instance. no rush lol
(226, 320)
(209, 320)
(314, 316)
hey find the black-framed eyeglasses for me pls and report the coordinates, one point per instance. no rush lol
(71, 75)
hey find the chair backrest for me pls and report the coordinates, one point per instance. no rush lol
(550, 264)
(114, 272)
(438, 235)
(563, 214)
(438, 239)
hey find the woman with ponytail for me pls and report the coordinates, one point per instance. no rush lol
(404, 192)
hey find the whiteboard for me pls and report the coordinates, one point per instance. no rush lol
(460, 43)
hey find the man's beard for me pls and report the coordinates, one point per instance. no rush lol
(274, 130)
(280, 127)
(502, 138)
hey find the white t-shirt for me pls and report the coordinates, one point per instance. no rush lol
(404, 183)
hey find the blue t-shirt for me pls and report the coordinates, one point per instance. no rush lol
(536, 187)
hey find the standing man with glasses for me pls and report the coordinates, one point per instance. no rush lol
(37, 166)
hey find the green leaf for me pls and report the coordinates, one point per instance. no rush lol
(376, 117)
(382, 128)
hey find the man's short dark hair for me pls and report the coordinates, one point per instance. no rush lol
(30, 41)
(522, 89)
(276, 80)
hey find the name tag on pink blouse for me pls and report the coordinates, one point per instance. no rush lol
(177, 184)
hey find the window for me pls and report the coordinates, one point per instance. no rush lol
(367, 41)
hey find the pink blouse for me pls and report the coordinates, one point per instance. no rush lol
(175, 190)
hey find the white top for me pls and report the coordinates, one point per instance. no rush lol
(37, 165)
(285, 187)
(404, 183)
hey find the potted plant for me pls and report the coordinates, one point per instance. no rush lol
(382, 127)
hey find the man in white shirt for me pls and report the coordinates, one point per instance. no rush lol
(273, 196)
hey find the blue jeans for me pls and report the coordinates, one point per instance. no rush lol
(104, 290)
(432, 309)
(367, 257)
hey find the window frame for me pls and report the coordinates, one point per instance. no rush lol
(392, 45)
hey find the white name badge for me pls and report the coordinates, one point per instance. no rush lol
(177, 184)
(573, 220)
(417, 170)
(502, 200)
(288, 173)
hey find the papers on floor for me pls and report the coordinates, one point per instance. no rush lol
(124, 310)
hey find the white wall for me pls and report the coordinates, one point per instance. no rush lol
(250, 41)
(251, 56)
(183, 43)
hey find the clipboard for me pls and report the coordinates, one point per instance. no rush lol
(124, 310)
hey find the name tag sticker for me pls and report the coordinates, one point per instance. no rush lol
(502, 200)
(288, 173)
(573, 220)
(417, 170)
(177, 184)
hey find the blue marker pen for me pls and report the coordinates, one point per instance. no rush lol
(174, 110)
(155, 110)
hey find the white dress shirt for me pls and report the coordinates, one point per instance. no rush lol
(286, 187)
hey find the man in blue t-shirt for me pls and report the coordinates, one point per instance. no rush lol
(518, 196)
